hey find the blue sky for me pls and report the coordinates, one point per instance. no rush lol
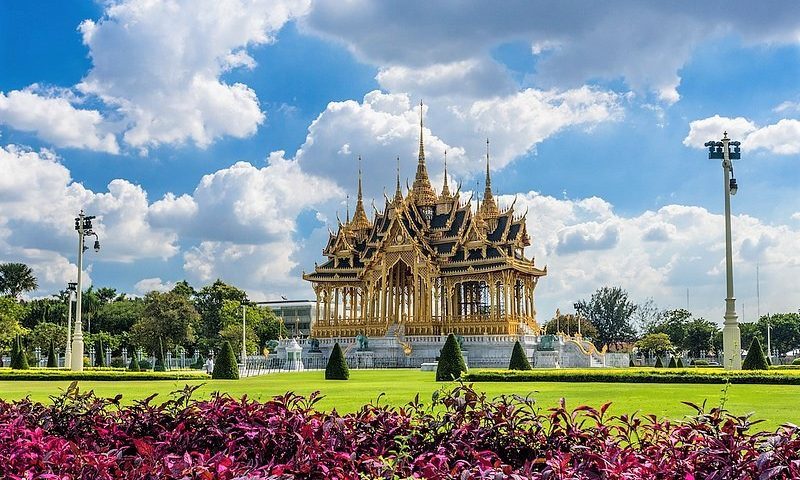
(218, 139)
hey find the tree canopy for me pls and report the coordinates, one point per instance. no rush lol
(610, 311)
(16, 279)
(167, 322)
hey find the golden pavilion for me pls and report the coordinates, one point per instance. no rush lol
(427, 264)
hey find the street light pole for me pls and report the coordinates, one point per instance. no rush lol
(731, 336)
(68, 349)
(83, 225)
(244, 333)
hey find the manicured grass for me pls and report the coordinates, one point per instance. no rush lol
(776, 404)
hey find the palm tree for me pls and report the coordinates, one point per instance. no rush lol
(16, 278)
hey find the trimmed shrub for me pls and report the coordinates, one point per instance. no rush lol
(699, 363)
(519, 361)
(160, 367)
(679, 363)
(144, 364)
(659, 363)
(225, 368)
(199, 364)
(337, 369)
(451, 362)
(134, 365)
(44, 374)
(796, 361)
(755, 359)
(19, 357)
(672, 363)
(52, 360)
(769, 361)
(630, 363)
(117, 362)
(99, 356)
(624, 375)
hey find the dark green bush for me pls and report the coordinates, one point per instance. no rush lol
(796, 361)
(634, 376)
(630, 363)
(679, 363)
(699, 363)
(117, 362)
(225, 367)
(755, 359)
(519, 361)
(134, 365)
(451, 362)
(19, 357)
(200, 363)
(672, 363)
(99, 355)
(659, 363)
(160, 367)
(337, 368)
(99, 375)
(52, 359)
(144, 365)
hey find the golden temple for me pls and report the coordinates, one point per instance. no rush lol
(427, 265)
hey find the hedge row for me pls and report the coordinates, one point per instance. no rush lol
(634, 376)
(99, 375)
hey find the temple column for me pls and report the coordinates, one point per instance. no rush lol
(336, 305)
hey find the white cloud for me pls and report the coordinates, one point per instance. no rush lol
(384, 125)
(787, 106)
(576, 42)
(656, 254)
(781, 138)
(147, 285)
(55, 120)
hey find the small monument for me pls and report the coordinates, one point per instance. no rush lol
(364, 356)
(294, 357)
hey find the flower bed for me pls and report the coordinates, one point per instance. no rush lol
(99, 375)
(632, 375)
(461, 434)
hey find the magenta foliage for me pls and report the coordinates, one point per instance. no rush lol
(461, 434)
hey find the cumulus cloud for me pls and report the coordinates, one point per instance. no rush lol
(387, 124)
(781, 138)
(159, 65)
(147, 285)
(658, 254)
(54, 119)
(573, 42)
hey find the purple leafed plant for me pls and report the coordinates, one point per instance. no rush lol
(460, 434)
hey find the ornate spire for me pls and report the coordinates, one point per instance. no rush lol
(445, 189)
(422, 192)
(490, 209)
(398, 193)
(347, 206)
(360, 220)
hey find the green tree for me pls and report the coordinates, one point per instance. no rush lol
(16, 279)
(337, 368)
(785, 331)
(10, 314)
(755, 359)
(166, 322)
(655, 343)
(44, 310)
(233, 335)
(183, 288)
(133, 366)
(647, 316)
(451, 362)
(519, 360)
(43, 334)
(90, 305)
(699, 336)
(119, 316)
(751, 330)
(610, 311)
(106, 294)
(262, 325)
(225, 367)
(209, 302)
(673, 323)
(568, 323)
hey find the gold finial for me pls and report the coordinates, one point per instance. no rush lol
(360, 220)
(347, 206)
(398, 194)
(422, 192)
(490, 209)
(421, 157)
(445, 188)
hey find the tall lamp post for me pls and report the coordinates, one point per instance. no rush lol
(83, 225)
(71, 286)
(731, 336)
(244, 334)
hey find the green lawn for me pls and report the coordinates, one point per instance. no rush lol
(775, 404)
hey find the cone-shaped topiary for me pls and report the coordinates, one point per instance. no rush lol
(134, 365)
(451, 362)
(160, 367)
(99, 357)
(337, 368)
(755, 359)
(679, 363)
(15, 354)
(52, 360)
(225, 367)
(22, 355)
(659, 363)
(519, 361)
(630, 363)
(769, 361)
(672, 363)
